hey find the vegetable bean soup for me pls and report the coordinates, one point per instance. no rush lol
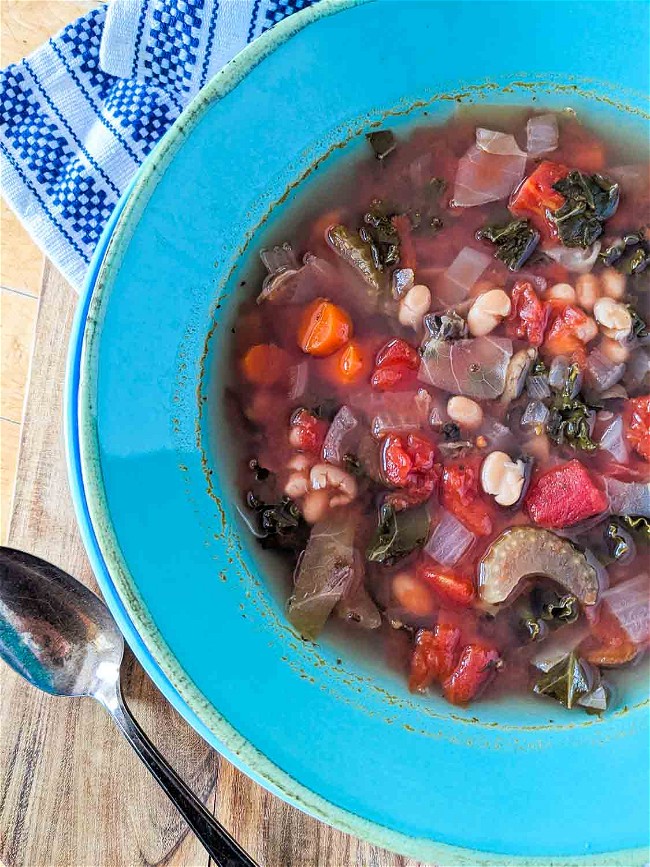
(441, 393)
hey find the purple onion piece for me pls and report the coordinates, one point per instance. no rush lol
(449, 541)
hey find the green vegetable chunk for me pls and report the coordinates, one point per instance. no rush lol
(381, 237)
(382, 141)
(398, 533)
(515, 242)
(569, 419)
(590, 200)
(639, 525)
(358, 254)
(555, 608)
(567, 682)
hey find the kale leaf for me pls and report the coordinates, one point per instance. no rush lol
(589, 201)
(398, 533)
(638, 524)
(639, 326)
(554, 608)
(514, 242)
(567, 682)
(279, 525)
(445, 326)
(617, 540)
(382, 141)
(381, 236)
(629, 254)
(569, 420)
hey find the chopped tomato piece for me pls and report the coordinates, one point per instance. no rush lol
(389, 378)
(528, 314)
(398, 351)
(396, 463)
(349, 365)
(638, 425)
(409, 463)
(535, 196)
(324, 328)
(402, 225)
(460, 496)
(476, 666)
(396, 365)
(266, 364)
(564, 496)
(563, 337)
(307, 432)
(609, 643)
(434, 655)
(457, 589)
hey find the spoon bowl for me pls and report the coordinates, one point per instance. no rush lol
(60, 637)
(54, 631)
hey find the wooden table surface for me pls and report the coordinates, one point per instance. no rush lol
(72, 793)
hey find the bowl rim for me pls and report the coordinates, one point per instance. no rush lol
(111, 572)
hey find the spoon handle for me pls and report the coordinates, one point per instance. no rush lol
(221, 847)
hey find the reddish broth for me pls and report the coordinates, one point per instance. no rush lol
(329, 334)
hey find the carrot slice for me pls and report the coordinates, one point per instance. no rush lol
(324, 328)
(265, 364)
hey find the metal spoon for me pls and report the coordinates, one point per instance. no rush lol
(61, 638)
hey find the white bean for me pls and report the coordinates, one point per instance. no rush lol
(502, 478)
(414, 305)
(465, 412)
(563, 292)
(297, 485)
(315, 506)
(587, 291)
(618, 353)
(487, 312)
(613, 283)
(300, 462)
(587, 330)
(614, 318)
(341, 486)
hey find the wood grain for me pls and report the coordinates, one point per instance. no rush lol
(72, 793)
(17, 318)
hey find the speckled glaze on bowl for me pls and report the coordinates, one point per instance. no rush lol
(150, 461)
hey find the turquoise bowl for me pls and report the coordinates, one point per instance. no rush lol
(151, 462)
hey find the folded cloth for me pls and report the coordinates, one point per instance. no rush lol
(80, 114)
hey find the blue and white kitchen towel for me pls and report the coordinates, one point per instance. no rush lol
(81, 113)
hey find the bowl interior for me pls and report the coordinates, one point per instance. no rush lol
(157, 458)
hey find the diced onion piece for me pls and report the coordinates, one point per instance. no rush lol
(536, 413)
(298, 377)
(537, 387)
(343, 423)
(499, 436)
(484, 176)
(500, 143)
(638, 370)
(629, 604)
(397, 411)
(558, 372)
(602, 373)
(542, 134)
(560, 644)
(575, 259)
(613, 441)
(449, 541)
(456, 281)
(628, 498)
